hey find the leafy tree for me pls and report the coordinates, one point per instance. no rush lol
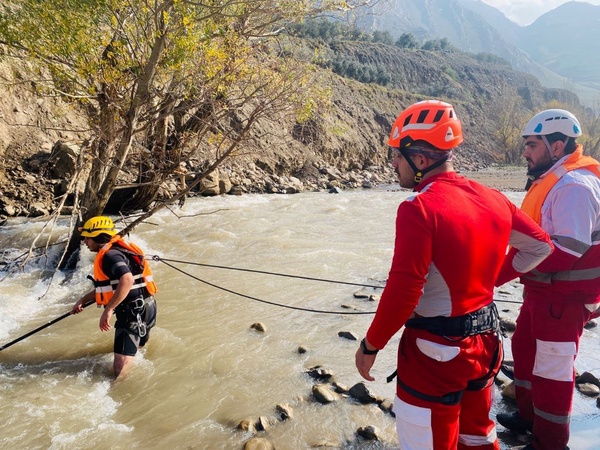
(407, 40)
(446, 46)
(383, 36)
(433, 45)
(509, 114)
(166, 76)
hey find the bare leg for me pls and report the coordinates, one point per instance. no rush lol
(121, 363)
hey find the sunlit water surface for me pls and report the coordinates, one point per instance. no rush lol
(205, 369)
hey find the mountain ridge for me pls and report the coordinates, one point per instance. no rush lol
(474, 26)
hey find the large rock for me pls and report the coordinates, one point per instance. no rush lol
(210, 185)
(361, 393)
(258, 444)
(63, 160)
(323, 394)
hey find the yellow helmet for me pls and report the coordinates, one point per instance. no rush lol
(98, 225)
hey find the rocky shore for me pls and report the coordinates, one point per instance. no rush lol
(33, 185)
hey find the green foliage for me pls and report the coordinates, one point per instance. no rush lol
(439, 45)
(407, 40)
(383, 37)
(509, 115)
(491, 58)
(331, 31)
(137, 63)
(365, 73)
(450, 72)
(165, 78)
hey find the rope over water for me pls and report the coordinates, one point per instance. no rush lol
(166, 261)
(297, 308)
(158, 258)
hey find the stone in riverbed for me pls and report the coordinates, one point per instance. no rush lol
(588, 389)
(369, 432)
(259, 326)
(362, 393)
(246, 425)
(258, 444)
(319, 373)
(348, 335)
(323, 394)
(284, 411)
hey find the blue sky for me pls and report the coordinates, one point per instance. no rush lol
(524, 12)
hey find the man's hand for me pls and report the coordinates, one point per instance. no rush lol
(105, 319)
(77, 307)
(364, 363)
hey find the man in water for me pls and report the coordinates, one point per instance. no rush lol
(563, 292)
(451, 241)
(123, 285)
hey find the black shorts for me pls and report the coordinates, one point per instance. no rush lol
(127, 342)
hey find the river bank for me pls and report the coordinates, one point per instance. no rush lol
(503, 178)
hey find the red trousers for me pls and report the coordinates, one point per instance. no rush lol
(435, 366)
(544, 347)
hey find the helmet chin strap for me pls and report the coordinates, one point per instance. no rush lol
(547, 143)
(419, 174)
(548, 147)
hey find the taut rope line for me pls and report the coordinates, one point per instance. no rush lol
(157, 258)
(166, 262)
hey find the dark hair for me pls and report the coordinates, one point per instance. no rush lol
(569, 146)
(102, 238)
(428, 150)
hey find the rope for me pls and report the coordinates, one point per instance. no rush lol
(297, 308)
(158, 258)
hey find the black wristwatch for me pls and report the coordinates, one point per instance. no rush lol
(365, 350)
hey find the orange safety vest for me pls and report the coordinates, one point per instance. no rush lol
(105, 287)
(537, 193)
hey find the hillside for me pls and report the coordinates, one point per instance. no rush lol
(573, 52)
(558, 48)
(347, 138)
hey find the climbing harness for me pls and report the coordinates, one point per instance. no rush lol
(481, 321)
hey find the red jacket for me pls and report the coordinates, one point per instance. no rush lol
(451, 242)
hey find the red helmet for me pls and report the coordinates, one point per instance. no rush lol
(432, 121)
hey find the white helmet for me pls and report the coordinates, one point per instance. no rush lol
(553, 121)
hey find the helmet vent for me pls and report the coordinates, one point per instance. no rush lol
(439, 115)
(422, 116)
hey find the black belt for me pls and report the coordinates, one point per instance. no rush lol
(478, 322)
(452, 398)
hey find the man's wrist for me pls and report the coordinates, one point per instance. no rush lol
(365, 350)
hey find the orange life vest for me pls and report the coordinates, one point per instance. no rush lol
(537, 193)
(105, 287)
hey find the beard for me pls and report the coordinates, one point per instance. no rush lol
(539, 167)
(405, 182)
